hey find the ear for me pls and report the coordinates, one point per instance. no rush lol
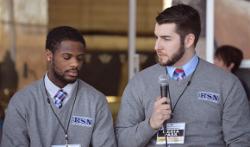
(231, 66)
(48, 55)
(189, 40)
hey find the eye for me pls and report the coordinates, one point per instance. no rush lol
(66, 56)
(80, 57)
(166, 38)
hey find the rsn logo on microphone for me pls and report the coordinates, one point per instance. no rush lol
(82, 121)
(209, 96)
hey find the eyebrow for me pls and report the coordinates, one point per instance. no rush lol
(70, 54)
(165, 36)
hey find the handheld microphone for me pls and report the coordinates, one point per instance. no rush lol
(164, 88)
(163, 81)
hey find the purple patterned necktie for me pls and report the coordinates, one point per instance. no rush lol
(59, 97)
(179, 74)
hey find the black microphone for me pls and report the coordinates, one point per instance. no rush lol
(163, 81)
(164, 88)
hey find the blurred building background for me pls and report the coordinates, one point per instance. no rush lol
(104, 24)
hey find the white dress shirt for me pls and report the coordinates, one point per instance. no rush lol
(53, 89)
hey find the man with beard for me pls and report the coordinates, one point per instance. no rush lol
(206, 106)
(60, 109)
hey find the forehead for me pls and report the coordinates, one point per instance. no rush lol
(70, 46)
(165, 29)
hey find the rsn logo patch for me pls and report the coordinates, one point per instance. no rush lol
(209, 96)
(82, 121)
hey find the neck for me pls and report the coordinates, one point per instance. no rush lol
(56, 81)
(188, 55)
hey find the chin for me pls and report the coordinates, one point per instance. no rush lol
(162, 62)
(71, 79)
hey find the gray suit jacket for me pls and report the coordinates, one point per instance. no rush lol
(214, 107)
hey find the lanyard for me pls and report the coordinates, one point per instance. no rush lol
(189, 82)
(173, 108)
(57, 117)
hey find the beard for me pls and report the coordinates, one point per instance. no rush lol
(60, 76)
(175, 57)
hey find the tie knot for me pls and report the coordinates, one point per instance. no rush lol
(179, 70)
(179, 74)
(60, 93)
(59, 97)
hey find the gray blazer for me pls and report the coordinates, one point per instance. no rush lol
(214, 107)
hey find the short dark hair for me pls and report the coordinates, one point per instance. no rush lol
(229, 54)
(186, 18)
(61, 33)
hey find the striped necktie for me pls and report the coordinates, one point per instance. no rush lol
(179, 74)
(59, 97)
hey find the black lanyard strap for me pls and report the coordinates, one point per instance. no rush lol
(57, 117)
(189, 82)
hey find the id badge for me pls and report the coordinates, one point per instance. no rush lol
(175, 134)
(69, 145)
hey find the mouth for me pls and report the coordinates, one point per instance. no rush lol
(159, 53)
(72, 73)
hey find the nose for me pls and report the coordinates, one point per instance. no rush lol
(75, 63)
(157, 44)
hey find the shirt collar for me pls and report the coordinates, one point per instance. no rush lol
(188, 68)
(52, 88)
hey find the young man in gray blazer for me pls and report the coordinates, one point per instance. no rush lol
(59, 110)
(206, 106)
